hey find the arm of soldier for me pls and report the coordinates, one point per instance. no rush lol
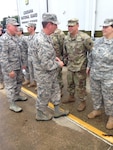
(89, 56)
(45, 55)
(61, 40)
(42, 53)
(48, 62)
(5, 59)
(24, 56)
(88, 43)
(61, 64)
(87, 71)
(12, 74)
(65, 55)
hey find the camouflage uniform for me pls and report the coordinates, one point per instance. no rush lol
(101, 75)
(75, 56)
(30, 40)
(25, 45)
(58, 40)
(1, 75)
(45, 68)
(13, 58)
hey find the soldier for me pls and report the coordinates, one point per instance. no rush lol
(31, 27)
(1, 75)
(58, 40)
(100, 65)
(13, 60)
(25, 45)
(76, 46)
(45, 67)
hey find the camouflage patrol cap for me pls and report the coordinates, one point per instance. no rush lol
(12, 21)
(73, 22)
(107, 22)
(47, 17)
(31, 24)
(20, 29)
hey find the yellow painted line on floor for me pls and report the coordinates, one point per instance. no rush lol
(31, 94)
(92, 129)
(88, 127)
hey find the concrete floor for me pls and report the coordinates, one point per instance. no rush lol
(20, 131)
(99, 122)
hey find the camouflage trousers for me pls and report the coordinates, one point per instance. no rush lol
(13, 85)
(102, 95)
(48, 91)
(31, 69)
(60, 80)
(1, 75)
(77, 81)
(26, 76)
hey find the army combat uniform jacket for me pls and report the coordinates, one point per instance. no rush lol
(13, 54)
(75, 51)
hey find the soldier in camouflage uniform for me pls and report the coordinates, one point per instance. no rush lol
(76, 46)
(45, 67)
(24, 41)
(31, 27)
(1, 75)
(13, 60)
(100, 65)
(58, 40)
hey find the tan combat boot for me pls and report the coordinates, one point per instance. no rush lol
(82, 106)
(94, 114)
(70, 99)
(32, 84)
(1, 86)
(109, 124)
(26, 82)
(36, 89)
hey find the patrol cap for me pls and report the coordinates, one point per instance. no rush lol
(20, 29)
(73, 22)
(12, 21)
(107, 22)
(31, 24)
(47, 17)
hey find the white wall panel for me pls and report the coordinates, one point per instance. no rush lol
(91, 13)
(31, 12)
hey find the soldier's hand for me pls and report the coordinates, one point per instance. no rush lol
(12, 74)
(87, 71)
(61, 64)
(58, 59)
(23, 67)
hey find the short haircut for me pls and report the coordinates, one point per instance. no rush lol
(44, 24)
